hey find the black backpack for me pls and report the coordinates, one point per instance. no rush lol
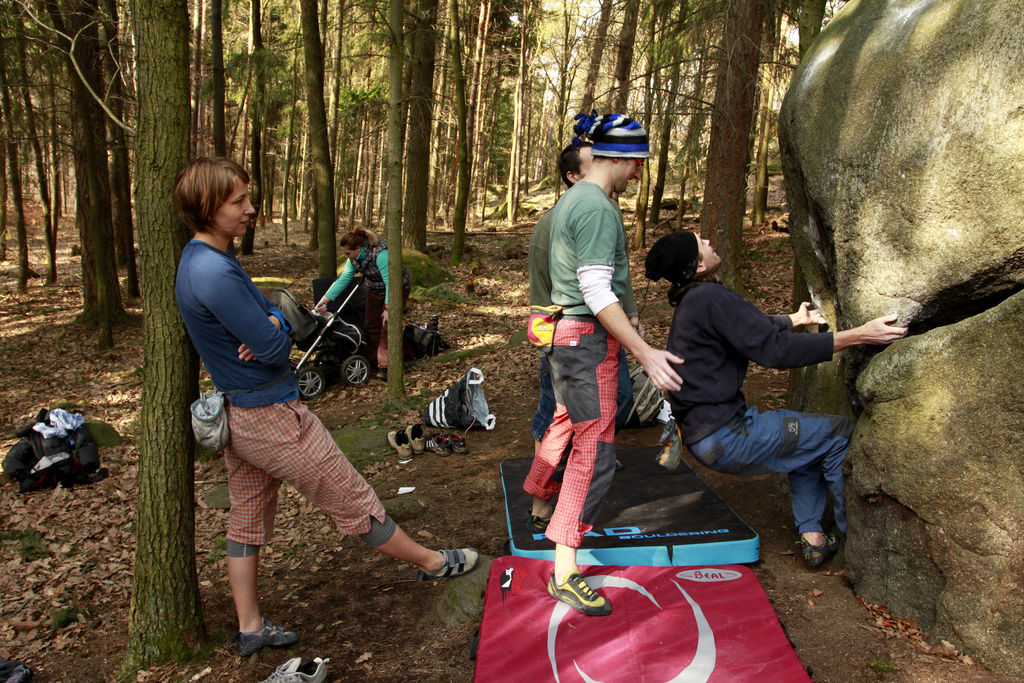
(37, 462)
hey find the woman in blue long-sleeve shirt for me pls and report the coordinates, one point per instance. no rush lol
(243, 342)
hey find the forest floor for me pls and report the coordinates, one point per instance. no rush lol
(66, 555)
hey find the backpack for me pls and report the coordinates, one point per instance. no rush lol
(647, 399)
(461, 406)
(39, 462)
(424, 340)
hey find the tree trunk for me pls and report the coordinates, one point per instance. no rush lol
(289, 149)
(197, 75)
(101, 294)
(475, 99)
(691, 151)
(37, 152)
(318, 139)
(14, 173)
(393, 212)
(3, 205)
(725, 185)
(518, 112)
(220, 147)
(462, 138)
(759, 207)
(256, 107)
(664, 142)
(165, 619)
(596, 53)
(627, 39)
(809, 16)
(120, 176)
(421, 107)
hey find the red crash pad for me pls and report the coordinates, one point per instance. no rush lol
(690, 624)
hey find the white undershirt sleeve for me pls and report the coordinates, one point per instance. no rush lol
(596, 287)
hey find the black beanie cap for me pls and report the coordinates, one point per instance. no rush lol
(674, 257)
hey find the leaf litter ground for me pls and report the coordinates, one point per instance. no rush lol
(67, 555)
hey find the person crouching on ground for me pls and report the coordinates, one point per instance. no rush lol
(718, 332)
(243, 341)
(368, 255)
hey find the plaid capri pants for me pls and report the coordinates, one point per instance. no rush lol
(287, 441)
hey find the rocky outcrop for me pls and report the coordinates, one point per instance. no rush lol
(902, 139)
(935, 497)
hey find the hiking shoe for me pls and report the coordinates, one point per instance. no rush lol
(416, 438)
(458, 443)
(581, 597)
(297, 670)
(456, 563)
(438, 443)
(399, 440)
(540, 523)
(816, 555)
(268, 635)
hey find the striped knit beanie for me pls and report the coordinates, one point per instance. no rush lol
(613, 135)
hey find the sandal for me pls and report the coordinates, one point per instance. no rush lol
(458, 443)
(456, 563)
(416, 438)
(399, 440)
(816, 555)
(438, 443)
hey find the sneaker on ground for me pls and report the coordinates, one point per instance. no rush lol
(456, 563)
(298, 670)
(269, 635)
(581, 597)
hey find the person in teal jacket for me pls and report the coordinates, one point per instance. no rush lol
(368, 255)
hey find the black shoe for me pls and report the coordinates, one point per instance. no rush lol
(540, 523)
(269, 635)
(816, 555)
(577, 594)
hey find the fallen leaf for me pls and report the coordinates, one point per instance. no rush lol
(363, 657)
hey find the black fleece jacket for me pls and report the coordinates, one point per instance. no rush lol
(716, 331)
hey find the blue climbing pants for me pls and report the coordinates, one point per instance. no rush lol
(809, 448)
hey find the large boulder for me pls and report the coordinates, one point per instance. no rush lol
(902, 140)
(936, 494)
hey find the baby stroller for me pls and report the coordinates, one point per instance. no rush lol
(332, 344)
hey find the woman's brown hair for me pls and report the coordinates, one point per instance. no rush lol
(356, 238)
(202, 187)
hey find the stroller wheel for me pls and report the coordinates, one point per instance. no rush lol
(312, 382)
(355, 371)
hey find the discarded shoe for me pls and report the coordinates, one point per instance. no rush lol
(269, 634)
(438, 443)
(581, 597)
(399, 440)
(458, 443)
(297, 670)
(816, 555)
(456, 563)
(417, 438)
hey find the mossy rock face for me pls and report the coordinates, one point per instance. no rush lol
(362, 446)
(462, 601)
(423, 270)
(218, 498)
(103, 434)
(936, 510)
(517, 338)
(405, 508)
